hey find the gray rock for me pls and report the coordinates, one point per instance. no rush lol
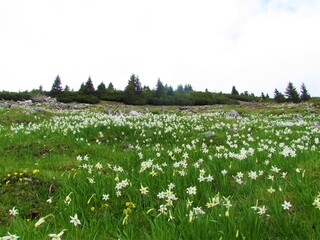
(208, 134)
(26, 102)
(6, 105)
(134, 113)
(315, 125)
(299, 116)
(39, 109)
(233, 114)
(42, 98)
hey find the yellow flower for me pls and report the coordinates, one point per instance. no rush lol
(35, 171)
(127, 211)
(92, 209)
(130, 205)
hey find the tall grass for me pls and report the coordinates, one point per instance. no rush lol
(158, 176)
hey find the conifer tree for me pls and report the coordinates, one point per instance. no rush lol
(278, 96)
(133, 91)
(234, 91)
(89, 88)
(305, 96)
(188, 87)
(56, 89)
(291, 93)
(66, 89)
(170, 91)
(180, 88)
(82, 88)
(110, 87)
(101, 90)
(160, 89)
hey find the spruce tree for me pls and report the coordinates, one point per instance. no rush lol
(180, 88)
(82, 88)
(305, 96)
(188, 87)
(133, 91)
(292, 94)
(160, 89)
(66, 89)
(89, 88)
(278, 96)
(56, 89)
(110, 87)
(234, 91)
(101, 90)
(170, 91)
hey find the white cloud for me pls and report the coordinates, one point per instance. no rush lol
(209, 44)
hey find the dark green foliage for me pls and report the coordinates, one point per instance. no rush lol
(66, 89)
(89, 88)
(101, 90)
(160, 90)
(190, 98)
(245, 93)
(279, 97)
(91, 99)
(15, 96)
(305, 96)
(234, 91)
(292, 94)
(179, 88)
(133, 92)
(56, 89)
(110, 87)
(111, 94)
(115, 95)
(82, 88)
(68, 97)
(243, 98)
(187, 87)
(170, 91)
(183, 99)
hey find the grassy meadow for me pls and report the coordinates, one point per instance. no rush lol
(163, 174)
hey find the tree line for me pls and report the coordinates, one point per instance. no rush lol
(163, 94)
(137, 94)
(291, 94)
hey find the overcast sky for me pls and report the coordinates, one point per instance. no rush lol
(256, 45)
